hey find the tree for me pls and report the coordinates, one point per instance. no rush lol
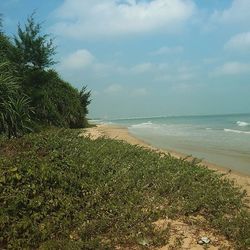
(5, 47)
(85, 99)
(55, 101)
(1, 23)
(5, 44)
(32, 49)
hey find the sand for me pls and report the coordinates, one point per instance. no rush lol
(183, 234)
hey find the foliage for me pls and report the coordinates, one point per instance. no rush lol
(32, 49)
(61, 191)
(15, 116)
(14, 106)
(85, 98)
(8, 83)
(1, 23)
(5, 46)
(56, 101)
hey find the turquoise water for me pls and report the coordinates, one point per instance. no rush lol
(220, 139)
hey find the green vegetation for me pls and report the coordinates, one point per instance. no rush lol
(62, 191)
(32, 50)
(56, 102)
(15, 107)
(32, 95)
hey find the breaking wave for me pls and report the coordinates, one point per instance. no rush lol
(148, 124)
(242, 124)
(236, 131)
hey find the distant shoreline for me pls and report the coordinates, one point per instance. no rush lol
(122, 133)
(164, 116)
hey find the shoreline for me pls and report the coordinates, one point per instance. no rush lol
(122, 133)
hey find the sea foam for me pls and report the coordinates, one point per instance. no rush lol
(143, 125)
(242, 124)
(236, 131)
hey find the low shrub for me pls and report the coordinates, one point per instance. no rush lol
(61, 191)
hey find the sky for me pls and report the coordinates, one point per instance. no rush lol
(143, 58)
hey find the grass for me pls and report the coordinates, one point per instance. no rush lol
(60, 191)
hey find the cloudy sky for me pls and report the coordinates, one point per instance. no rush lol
(149, 57)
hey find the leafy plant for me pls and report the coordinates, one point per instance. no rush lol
(15, 108)
(8, 83)
(61, 191)
(15, 116)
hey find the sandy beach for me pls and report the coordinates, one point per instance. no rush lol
(122, 133)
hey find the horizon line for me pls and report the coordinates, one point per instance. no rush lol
(166, 116)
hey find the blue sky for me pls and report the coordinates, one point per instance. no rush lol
(149, 58)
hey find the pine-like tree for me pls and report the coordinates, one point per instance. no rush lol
(33, 50)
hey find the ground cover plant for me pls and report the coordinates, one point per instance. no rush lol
(62, 191)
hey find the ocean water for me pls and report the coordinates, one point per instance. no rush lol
(220, 139)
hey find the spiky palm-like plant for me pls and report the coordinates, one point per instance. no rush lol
(16, 116)
(15, 108)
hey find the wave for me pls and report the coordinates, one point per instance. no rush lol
(236, 131)
(107, 123)
(101, 122)
(242, 124)
(143, 125)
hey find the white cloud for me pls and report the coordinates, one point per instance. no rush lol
(148, 67)
(142, 68)
(177, 74)
(139, 92)
(81, 19)
(167, 50)
(77, 60)
(83, 60)
(114, 89)
(118, 89)
(210, 60)
(239, 42)
(182, 87)
(233, 68)
(81, 65)
(238, 12)
(173, 77)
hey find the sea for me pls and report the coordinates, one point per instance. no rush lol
(223, 140)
